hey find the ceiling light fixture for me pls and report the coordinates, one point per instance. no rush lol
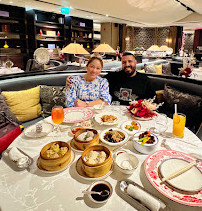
(184, 5)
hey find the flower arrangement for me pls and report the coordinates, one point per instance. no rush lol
(143, 108)
(187, 68)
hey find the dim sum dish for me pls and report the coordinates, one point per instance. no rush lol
(54, 156)
(114, 136)
(85, 138)
(96, 161)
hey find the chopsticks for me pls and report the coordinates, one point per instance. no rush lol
(180, 171)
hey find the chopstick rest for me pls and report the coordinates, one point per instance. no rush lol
(145, 198)
(179, 171)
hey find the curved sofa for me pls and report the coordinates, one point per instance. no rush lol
(53, 78)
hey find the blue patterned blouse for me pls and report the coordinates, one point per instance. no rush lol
(87, 91)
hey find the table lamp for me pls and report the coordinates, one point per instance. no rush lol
(75, 48)
(153, 48)
(104, 48)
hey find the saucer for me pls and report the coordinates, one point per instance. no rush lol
(82, 174)
(54, 172)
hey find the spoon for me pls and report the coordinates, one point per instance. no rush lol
(102, 193)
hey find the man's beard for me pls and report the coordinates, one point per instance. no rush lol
(129, 73)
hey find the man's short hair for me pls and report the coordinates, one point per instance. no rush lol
(128, 54)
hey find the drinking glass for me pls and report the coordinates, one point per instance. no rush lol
(160, 125)
(115, 106)
(179, 121)
(57, 117)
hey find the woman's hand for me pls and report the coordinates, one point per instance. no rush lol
(80, 103)
(68, 81)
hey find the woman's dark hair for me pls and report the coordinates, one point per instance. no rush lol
(95, 58)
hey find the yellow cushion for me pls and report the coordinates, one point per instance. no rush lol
(24, 104)
(141, 71)
(158, 69)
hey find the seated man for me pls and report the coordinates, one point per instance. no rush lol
(127, 85)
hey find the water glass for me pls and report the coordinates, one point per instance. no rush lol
(161, 122)
(115, 106)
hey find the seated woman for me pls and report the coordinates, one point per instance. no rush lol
(90, 89)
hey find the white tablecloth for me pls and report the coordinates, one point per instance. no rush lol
(34, 190)
(12, 70)
(196, 74)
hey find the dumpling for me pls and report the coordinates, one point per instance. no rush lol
(91, 161)
(90, 134)
(91, 155)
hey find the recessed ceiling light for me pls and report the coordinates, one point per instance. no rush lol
(10, 2)
(107, 15)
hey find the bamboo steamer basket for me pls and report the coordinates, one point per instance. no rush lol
(97, 170)
(54, 164)
(82, 145)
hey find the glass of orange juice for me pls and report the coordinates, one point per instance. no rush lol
(179, 121)
(57, 114)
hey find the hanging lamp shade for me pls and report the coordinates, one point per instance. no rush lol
(153, 48)
(104, 48)
(164, 48)
(74, 48)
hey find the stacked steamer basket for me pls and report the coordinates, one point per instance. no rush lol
(98, 169)
(51, 163)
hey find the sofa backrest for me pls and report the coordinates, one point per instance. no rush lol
(59, 79)
(190, 86)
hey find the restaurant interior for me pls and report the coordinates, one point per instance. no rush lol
(118, 147)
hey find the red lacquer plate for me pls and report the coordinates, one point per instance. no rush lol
(151, 165)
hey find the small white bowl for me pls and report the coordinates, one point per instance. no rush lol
(101, 183)
(99, 108)
(111, 143)
(146, 148)
(126, 162)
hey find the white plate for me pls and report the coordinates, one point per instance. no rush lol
(54, 172)
(82, 174)
(31, 131)
(73, 146)
(190, 180)
(99, 116)
(110, 143)
(77, 114)
(128, 131)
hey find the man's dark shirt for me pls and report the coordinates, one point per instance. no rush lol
(124, 88)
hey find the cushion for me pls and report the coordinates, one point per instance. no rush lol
(4, 107)
(150, 68)
(141, 71)
(51, 96)
(158, 69)
(166, 68)
(190, 105)
(24, 104)
(159, 95)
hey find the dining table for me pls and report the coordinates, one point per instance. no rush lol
(33, 189)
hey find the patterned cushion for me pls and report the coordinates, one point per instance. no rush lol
(4, 107)
(158, 69)
(24, 104)
(190, 105)
(150, 68)
(166, 68)
(51, 96)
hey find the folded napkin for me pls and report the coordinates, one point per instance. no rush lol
(180, 145)
(14, 154)
(145, 198)
(22, 161)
